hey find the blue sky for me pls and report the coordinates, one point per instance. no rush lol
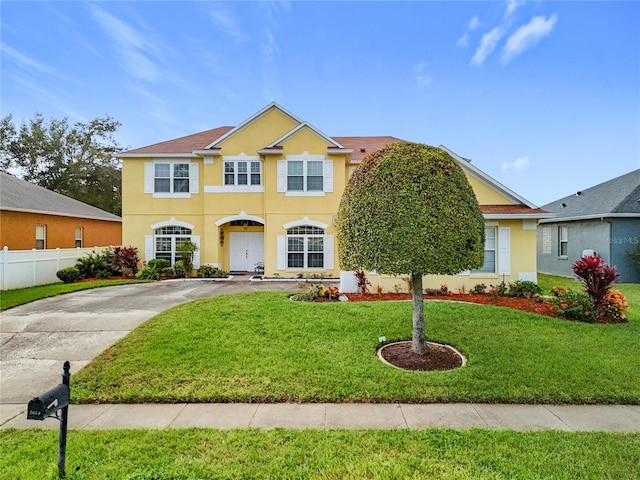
(543, 96)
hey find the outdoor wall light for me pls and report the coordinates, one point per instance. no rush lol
(222, 238)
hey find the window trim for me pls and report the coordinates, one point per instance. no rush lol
(283, 175)
(248, 188)
(306, 237)
(81, 239)
(192, 179)
(43, 239)
(494, 250)
(563, 239)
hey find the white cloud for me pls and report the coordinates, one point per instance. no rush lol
(527, 36)
(134, 48)
(517, 165)
(512, 6)
(421, 76)
(487, 45)
(225, 21)
(474, 23)
(26, 61)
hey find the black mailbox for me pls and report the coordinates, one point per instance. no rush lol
(48, 403)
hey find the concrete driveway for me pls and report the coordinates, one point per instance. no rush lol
(38, 337)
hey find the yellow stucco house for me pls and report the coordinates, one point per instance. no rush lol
(266, 192)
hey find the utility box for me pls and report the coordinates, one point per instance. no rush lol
(48, 403)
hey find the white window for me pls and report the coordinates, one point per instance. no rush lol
(490, 251)
(171, 178)
(168, 239)
(305, 247)
(305, 175)
(78, 237)
(41, 237)
(563, 241)
(241, 173)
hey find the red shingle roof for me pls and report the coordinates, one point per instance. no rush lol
(196, 141)
(509, 210)
(363, 146)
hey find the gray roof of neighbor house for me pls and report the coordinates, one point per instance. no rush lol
(619, 197)
(22, 196)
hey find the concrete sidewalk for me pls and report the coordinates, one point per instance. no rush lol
(623, 418)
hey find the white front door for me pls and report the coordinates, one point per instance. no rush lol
(245, 250)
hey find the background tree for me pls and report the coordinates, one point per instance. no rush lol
(73, 160)
(409, 209)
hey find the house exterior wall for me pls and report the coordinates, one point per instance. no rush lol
(18, 231)
(215, 212)
(625, 237)
(582, 235)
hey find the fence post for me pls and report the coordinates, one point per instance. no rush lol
(35, 266)
(5, 265)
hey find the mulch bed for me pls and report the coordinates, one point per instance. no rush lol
(438, 358)
(535, 305)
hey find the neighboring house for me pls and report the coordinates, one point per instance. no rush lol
(266, 192)
(34, 217)
(604, 219)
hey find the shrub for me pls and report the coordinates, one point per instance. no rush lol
(68, 275)
(209, 271)
(557, 291)
(524, 289)
(479, 288)
(614, 305)
(331, 292)
(498, 290)
(597, 277)
(575, 306)
(181, 269)
(315, 292)
(186, 250)
(153, 270)
(94, 265)
(124, 260)
(168, 272)
(444, 291)
(362, 281)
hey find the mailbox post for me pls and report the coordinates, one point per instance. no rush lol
(48, 404)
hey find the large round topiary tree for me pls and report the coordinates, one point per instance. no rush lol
(409, 209)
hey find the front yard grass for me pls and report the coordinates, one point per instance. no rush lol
(20, 296)
(261, 347)
(316, 454)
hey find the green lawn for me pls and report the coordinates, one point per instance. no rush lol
(315, 454)
(261, 347)
(20, 296)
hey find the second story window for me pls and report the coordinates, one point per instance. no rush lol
(171, 178)
(305, 175)
(239, 173)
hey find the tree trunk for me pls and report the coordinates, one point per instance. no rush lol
(419, 344)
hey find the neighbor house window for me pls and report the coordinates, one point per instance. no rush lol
(171, 178)
(168, 239)
(563, 241)
(239, 173)
(78, 237)
(490, 244)
(305, 247)
(41, 237)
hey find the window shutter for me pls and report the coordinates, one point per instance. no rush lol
(196, 255)
(148, 247)
(282, 252)
(328, 176)
(328, 252)
(282, 175)
(504, 251)
(148, 177)
(194, 180)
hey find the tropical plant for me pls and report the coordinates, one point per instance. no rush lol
(524, 288)
(597, 277)
(362, 281)
(153, 269)
(409, 210)
(186, 250)
(479, 288)
(94, 265)
(124, 260)
(614, 305)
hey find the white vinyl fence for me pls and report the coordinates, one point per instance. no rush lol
(27, 268)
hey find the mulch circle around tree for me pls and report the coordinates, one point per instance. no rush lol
(440, 357)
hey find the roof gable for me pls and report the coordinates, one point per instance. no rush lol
(182, 145)
(305, 126)
(22, 196)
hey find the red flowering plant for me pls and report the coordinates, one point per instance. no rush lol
(598, 277)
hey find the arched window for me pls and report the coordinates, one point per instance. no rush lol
(168, 239)
(305, 247)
